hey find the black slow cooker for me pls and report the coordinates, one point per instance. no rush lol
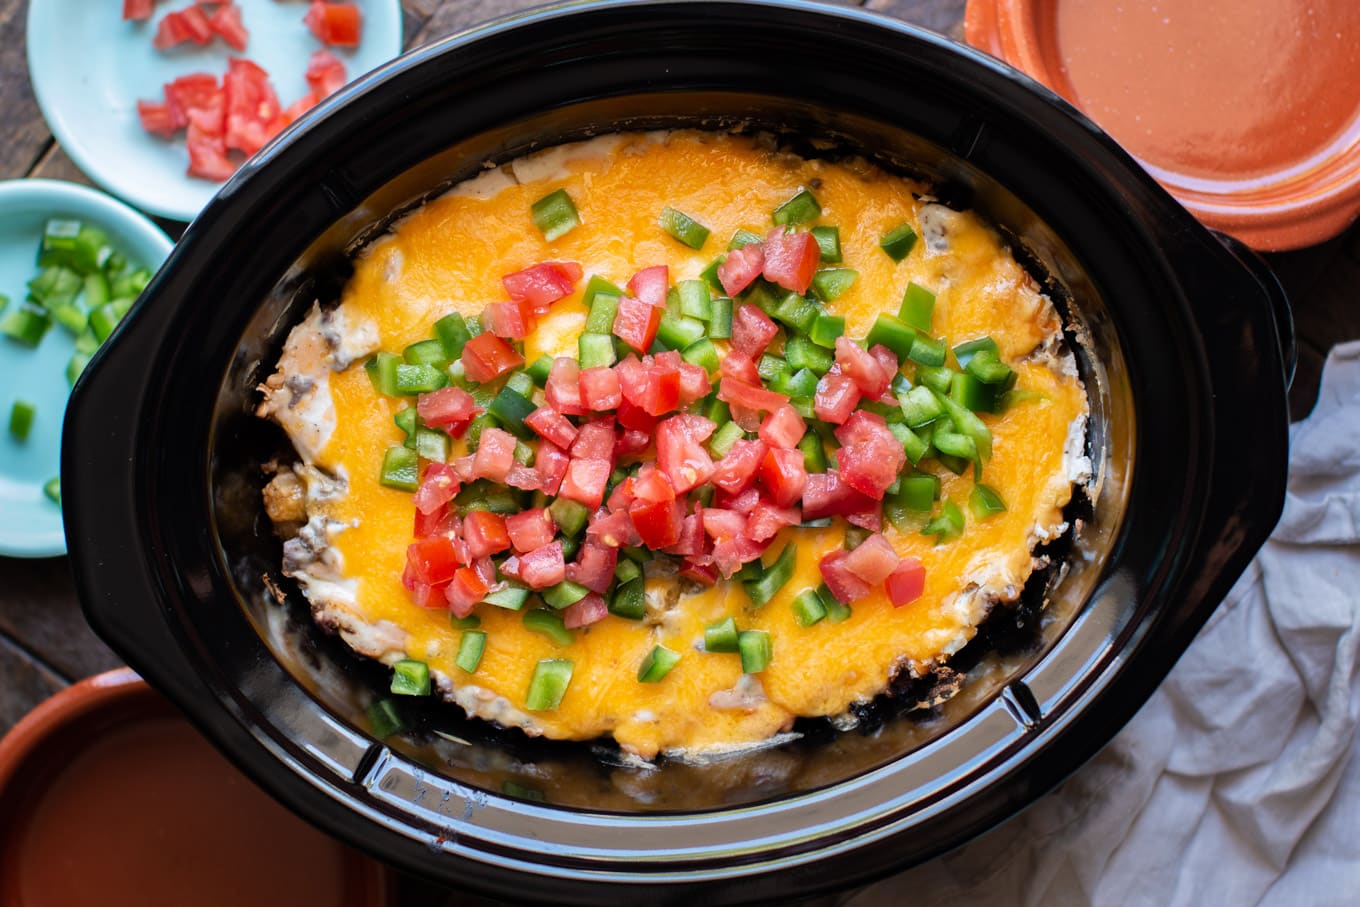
(1184, 341)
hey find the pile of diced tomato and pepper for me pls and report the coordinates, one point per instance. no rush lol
(698, 419)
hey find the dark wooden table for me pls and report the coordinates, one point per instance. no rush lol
(44, 642)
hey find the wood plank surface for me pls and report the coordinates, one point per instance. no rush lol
(44, 642)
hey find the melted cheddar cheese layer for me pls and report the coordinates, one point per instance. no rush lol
(450, 255)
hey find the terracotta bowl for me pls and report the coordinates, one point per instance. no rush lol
(109, 797)
(1304, 188)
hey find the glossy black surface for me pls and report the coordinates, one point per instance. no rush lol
(1189, 344)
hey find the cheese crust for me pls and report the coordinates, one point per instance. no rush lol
(347, 535)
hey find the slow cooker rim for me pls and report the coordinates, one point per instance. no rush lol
(435, 50)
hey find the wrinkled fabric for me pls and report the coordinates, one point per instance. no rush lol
(1236, 783)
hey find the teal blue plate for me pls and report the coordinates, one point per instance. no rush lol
(30, 524)
(89, 68)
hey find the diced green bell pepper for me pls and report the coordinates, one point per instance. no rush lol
(683, 228)
(722, 636)
(411, 678)
(555, 214)
(800, 209)
(657, 664)
(549, 684)
(898, 242)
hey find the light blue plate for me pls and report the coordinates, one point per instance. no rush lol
(30, 524)
(89, 68)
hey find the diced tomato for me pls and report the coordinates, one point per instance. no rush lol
(650, 485)
(783, 427)
(524, 477)
(186, 25)
(208, 155)
(600, 388)
(827, 495)
(156, 118)
(437, 488)
(721, 524)
(589, 610)
(551, 424)
(632, 375)
(495, 455)
(783, 475)
(691, 541)
(739, 393)
(650, 284)
(465, 590)
(543, 284)
(634, 417)
(694, 383)
(530, 529)
(752, 331)
(741, 267)
(631, 441)
(844, 585)
(486, 569)
(325, 74)
(907, 582)
(791, 259)
(563, 390)
(429, 596)
(662, 393)
(463, 466)
(433, 523)
(226, 24)
(622, 496)
(431, 561)
(485, 533)
(448, 407)
(734, 472)
(543, 567)
(613, 530)
(870, 456)
(594, 566)
(887, 360)
(658, 523)
(741, 503)
(336, 24)
(551, 462)
(487, 357)
(252, 105)
(743, 368)
(836, 397)
(680, 453)
(512, 320)
(871, 519)
(509, 568)
(585, 481)
(872, 560)
(704, 574)
(195, 91)
(636, 322)
(595, 441)
(730, 555)
(767, 519)
(861, 367)
(139, 10)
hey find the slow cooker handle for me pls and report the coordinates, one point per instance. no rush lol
(1246, 329)
(1275, 295)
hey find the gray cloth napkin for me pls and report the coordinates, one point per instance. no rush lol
(1236, 783)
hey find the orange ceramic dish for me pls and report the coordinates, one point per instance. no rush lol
(1247, 112)
(108, 797)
